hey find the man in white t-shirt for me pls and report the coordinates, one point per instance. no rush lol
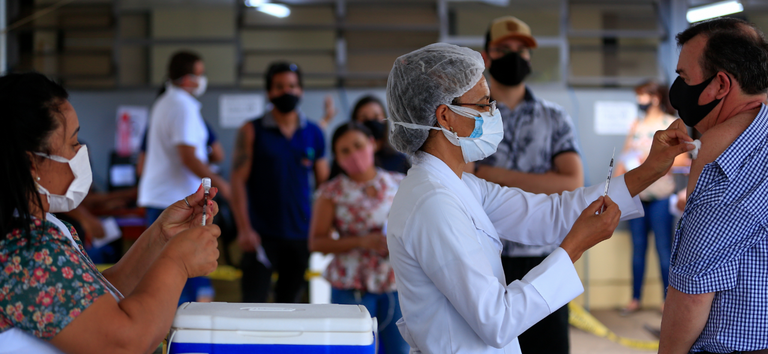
(177, 155)
(176, 158)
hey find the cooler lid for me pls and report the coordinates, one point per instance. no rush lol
(273, 317)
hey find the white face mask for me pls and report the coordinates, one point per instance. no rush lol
(78, 189)
(485, 138)
(202, 85)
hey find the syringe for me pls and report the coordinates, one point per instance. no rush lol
(608, 179)
(207, 189)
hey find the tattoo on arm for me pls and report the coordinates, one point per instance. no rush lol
(241, 151)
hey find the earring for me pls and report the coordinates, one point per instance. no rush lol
(452, 130)
(38, 178)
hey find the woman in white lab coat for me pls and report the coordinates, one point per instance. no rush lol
(445, 226)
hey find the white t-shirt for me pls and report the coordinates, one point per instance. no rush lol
(174, 120)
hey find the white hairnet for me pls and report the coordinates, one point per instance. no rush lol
(422, 80)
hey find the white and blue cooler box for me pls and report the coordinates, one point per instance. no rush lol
(235, 328)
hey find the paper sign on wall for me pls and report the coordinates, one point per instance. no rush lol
(131, 125)
(614, 117)
(234, 110)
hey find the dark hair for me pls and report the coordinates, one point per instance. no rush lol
(182, 64)
(340, 131)
(734, 46)
(281, 67)
(362, 102)
(29, 103)
(378, 129)
(662, 92)
(348, 127)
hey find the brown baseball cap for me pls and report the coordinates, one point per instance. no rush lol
(511, 27)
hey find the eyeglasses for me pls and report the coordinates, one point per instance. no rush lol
(490, 106)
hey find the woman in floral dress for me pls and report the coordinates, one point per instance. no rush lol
(356, 205)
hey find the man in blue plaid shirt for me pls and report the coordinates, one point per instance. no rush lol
(717, 300)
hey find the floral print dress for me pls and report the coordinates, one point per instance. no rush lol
(45, 281)
(358, 214)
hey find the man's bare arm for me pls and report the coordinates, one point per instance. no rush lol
(322, 171)
(241, 171)
(684, 318)
(201, 169)
(567, 175)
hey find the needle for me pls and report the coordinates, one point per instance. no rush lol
(608, 179)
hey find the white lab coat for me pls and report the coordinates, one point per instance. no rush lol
(443, 235)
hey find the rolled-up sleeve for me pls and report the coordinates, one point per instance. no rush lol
(708, 248)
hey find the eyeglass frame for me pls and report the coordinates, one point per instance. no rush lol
(491, 105)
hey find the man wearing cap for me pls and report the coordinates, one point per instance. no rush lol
(538, 154)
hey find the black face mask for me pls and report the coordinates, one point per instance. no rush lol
(376, 127)
(644, 107)
(685, 99)
(285, 103)
(510, 70)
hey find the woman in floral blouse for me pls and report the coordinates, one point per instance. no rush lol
(356, 204)
(52, 297)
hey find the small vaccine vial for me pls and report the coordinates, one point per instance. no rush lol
(206, 185)
(207, 190)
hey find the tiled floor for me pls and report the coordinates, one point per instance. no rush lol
(631, 326)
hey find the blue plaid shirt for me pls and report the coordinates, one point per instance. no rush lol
(721, 245)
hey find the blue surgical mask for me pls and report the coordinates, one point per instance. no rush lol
(485, 138)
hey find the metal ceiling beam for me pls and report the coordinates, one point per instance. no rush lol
(3, 38)
(613, 2)
(360, 2)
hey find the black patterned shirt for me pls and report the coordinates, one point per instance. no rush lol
(535, 132)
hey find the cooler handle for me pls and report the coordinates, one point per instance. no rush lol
(375, 335)
(170, 340)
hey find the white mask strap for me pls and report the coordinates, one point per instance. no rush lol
(53, 157)
(416, 126)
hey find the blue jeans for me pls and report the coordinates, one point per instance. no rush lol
(151, 214)
(386, 308)
(195, 287)
(658, 219)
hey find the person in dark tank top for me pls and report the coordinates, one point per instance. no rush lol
(276, 158)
